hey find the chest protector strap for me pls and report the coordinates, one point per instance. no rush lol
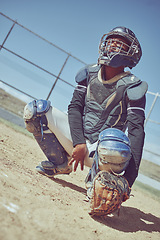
(112, 103)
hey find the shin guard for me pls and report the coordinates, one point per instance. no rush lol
(36, 123)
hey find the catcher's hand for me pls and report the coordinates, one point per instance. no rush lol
(108, 193)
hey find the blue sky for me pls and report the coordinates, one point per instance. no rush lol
(76, 26)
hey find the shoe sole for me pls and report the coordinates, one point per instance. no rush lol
(47, 165)
(40, 170)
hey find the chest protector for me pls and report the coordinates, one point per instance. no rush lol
(105, 104)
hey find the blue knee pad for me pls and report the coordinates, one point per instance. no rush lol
(36, 108)
(114, 147)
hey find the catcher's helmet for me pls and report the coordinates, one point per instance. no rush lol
(127, 51)
(113, 149)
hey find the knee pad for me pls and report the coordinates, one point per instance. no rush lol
(34, 112)
(113, 150)
(36, 108)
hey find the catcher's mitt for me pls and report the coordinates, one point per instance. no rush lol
(108, 193)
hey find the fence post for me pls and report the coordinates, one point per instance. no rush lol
(7, 36)
(154, 101)
(57, 77)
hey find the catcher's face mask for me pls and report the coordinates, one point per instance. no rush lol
(114, 149)
(119, 47)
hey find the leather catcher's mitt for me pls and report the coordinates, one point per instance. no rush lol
(108, 193)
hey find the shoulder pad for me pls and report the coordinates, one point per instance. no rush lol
(136, 88)
(136, 92)
(83, 73)
(129, 79)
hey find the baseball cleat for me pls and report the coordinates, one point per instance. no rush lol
(46, 168)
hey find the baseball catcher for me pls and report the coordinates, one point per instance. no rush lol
(107, 102)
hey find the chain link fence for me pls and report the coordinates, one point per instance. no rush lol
(46, 71)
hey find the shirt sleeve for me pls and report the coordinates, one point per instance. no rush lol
(75, 114)
(136, 134)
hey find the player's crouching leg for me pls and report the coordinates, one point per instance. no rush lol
(36, 123)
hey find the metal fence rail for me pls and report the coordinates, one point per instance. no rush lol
(54, 45)
(58, 77)
(153, 104)
(32, 63)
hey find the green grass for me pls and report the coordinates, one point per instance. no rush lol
(16, 127)
(148, 190)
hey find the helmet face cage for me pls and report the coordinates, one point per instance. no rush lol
(125, 52)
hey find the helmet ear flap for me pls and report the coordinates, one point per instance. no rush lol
(102, 43)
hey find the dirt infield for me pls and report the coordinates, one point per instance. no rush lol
(34, 207)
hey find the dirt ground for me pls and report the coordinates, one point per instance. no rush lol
(33, 206)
